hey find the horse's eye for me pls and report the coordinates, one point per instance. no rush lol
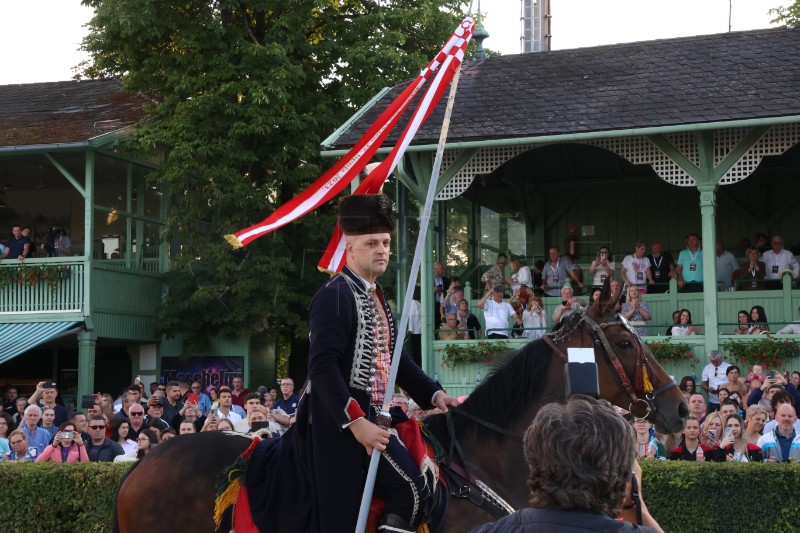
(625, 344)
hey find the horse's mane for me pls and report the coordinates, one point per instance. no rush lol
(506, 394)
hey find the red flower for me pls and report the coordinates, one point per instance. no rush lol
(766, 366)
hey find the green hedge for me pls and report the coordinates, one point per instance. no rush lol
(685, 497)
(57, 497)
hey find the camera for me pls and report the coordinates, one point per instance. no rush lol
(67, 434)
(564, 303)
(50, 240)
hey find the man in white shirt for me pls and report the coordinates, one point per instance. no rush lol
(714, 377)
(496, 313)
(778, 259)
(636, 268)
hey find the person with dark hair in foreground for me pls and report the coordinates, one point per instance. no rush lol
(577, 496)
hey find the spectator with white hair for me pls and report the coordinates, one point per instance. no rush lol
(37, 437)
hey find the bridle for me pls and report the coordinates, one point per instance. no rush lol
(639, 391)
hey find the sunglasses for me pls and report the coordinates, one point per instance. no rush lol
(137, 414)
(162, 389)
(97, 427)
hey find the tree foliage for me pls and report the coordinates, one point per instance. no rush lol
(790, 14)
(243, 93)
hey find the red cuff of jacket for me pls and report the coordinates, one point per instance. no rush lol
(353, 410)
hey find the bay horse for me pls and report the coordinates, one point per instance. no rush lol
(173, 487)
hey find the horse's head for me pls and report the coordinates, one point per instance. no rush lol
(630, 377)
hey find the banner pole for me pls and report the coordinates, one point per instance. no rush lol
(369, 486)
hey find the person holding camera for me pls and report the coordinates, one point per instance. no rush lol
(67, 447)
(602, 267)
(569, 304)
(578, 496)
(534, 321)
(62, 245)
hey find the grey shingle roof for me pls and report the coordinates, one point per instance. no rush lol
(690, 80)
(65, 111)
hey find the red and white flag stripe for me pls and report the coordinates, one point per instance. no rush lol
(334, 257)
(348, 167)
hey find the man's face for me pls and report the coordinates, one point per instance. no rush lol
(697, 405)
(136, 415)
(676, 317)
(795, 379)
(553, 252)
(49, 396)
(438, 270)
(174, 393)
(187, 427)
(452, 321)
(368, 254)
(615, 287)
(566, 293)
(693, 242)
(16, 231)
(97, 430)
(32, 417)
(134, 395)
(155, 411)
(716, 362)
(720, 249)
(771, 392)
(197, 388)
(238, 384)
(786, 416)
(502, 261)
(656, 249)
(777, 245)
(287, 387)
(251, 404)
(727, 410)
(80, 423)
(19, 443)
(11, 394)
(225, 399)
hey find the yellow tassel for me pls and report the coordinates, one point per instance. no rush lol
(233, 241)
(225, 500)
(423, 528)
(648, 386)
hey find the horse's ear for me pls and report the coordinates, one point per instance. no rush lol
(603, 307)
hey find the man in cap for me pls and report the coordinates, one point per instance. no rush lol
(352, 338)
(47, 391)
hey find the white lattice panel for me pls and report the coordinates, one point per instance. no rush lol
(777, 140)
(639, 150)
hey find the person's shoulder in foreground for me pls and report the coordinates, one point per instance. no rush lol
(561, 520)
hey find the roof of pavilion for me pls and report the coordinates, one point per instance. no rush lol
(669, 82)
(66, 111)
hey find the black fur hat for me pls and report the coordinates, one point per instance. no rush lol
(360, 214)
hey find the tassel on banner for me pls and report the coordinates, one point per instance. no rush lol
(234, 241)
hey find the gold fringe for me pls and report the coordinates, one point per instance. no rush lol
(326, 271)
(423, 528)
(233, 241)
(224, 501)
(648, 385)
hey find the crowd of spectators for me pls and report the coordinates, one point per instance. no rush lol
(637, 274)
(38, 428)
(745, 419)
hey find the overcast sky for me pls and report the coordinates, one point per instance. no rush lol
(40, 38)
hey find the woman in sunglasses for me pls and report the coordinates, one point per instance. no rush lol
(67, 447)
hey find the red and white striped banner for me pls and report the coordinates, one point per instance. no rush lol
(348, 167)
(334, 257)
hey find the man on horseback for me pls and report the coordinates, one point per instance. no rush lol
(352, 337)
